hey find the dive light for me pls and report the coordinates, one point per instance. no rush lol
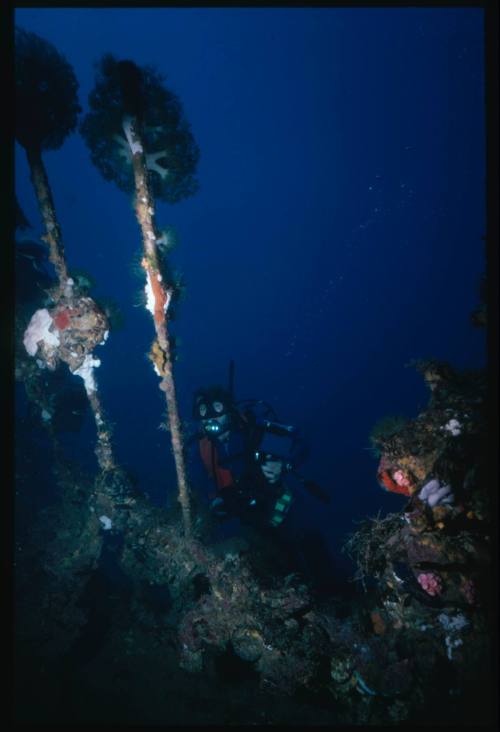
(212, 426)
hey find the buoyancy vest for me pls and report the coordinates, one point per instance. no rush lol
(222, 477)
(208, 452)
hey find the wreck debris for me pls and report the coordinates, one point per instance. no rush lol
(389, 659)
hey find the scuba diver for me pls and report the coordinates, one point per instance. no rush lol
(247, 457)
(251, 460)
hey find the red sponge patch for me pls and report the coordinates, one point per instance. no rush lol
(62, 319)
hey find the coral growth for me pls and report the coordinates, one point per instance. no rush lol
(431, 583)
(171, 155)
(157, 296)
(435, 493)
(429, 456)
(68, 332)
(402, 480)
(62, 318)
(395, 481)
(46, 93)
(39, 334)
(385, 428)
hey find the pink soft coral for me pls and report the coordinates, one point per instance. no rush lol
(401, 479)
(431, 583)
(388, 481)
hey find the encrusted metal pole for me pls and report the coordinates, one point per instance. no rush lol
(46, 204)
(159, 295)
(72, 328)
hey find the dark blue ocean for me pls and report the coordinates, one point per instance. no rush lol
(337, 234)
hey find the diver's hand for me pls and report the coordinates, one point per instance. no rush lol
(272, 470)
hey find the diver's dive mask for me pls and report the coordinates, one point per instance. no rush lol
(209, 412)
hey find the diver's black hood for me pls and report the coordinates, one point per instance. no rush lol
(214, 393)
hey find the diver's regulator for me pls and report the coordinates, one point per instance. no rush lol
(212, 426)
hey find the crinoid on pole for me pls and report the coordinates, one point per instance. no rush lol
(138, 137)
(46, 112)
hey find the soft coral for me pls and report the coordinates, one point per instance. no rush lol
(385, 479)
(62, 319)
